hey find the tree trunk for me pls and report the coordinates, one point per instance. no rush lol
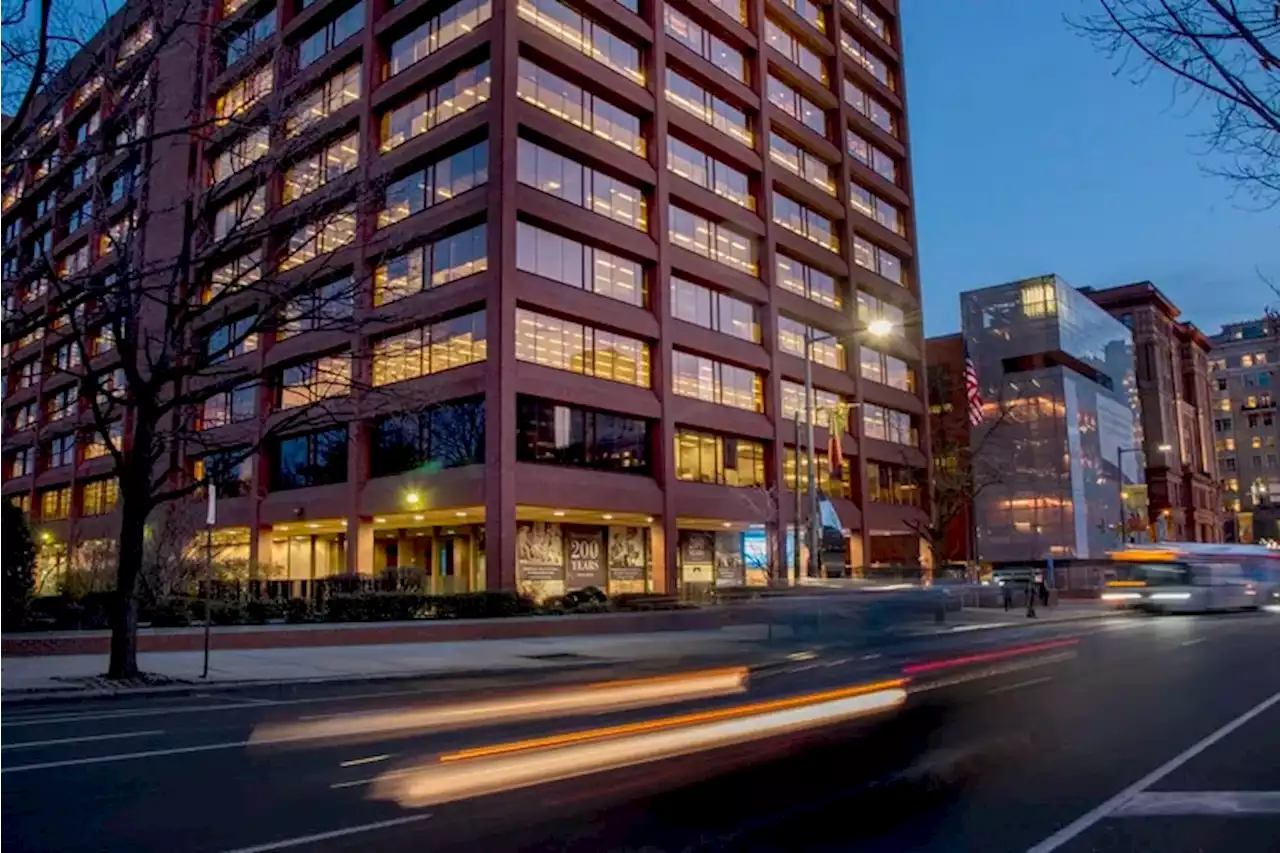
(124, 613)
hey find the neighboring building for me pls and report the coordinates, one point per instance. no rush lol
(1245, 428)
(621, 217)
(1172, 360)
(1056, 375)
(949, 440)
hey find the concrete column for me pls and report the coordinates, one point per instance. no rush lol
(359, 545)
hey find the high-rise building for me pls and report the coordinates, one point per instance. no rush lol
(585, 243)
(1245, 428)
(1172, 361)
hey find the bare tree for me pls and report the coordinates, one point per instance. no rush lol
(1221, 53)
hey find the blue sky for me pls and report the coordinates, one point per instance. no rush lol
(1030, 157)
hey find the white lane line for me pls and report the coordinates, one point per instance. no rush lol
(239, 700)
(34, 744)
(1088, 819)
(1192, 642)
(286, 843)
(123, 756)
(1213, 803)
(1017, 685)
(371, 759)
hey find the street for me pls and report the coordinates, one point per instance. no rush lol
(1124, 733)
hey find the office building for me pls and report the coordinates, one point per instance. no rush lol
(589, 239)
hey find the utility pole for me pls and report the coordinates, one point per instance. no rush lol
(796, 528)
(812, 486)
(210, 519)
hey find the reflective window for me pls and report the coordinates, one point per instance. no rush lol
(312, 459)
(873, 109)
(804, 221)
(872, 206)
(319, 237)
(781, 40)
(697, 101)
(133, 43)
(60, 451)
(892, 484)
(797, 106)
(824, 404)
(569, 102)
(716, 382)
(323, 101)
(329, 163)
(810, 11)
(245, 40)
(703, 457)
(325, 308)
(579, 185)
(872, 310)
(231, 471)
(887, 370)
(878, 260)
(313, 381)
(432, 108)
(441, 181)
(713, 240)
(556, 434)
(450, 25)
(889, 425)
(240, 153)
(824, 349)
(239, 212)
(709, 173)
(709, 47)
(869, 16)
(578, 265)
(736, 9)
(424, 267)
(244, 94)
(231, 340)
(433, 348)
(799, 162)
(446, 435)
(867, 59)
(229, 407)
(882, 163)
(22, 462)
(807, 281)
(584, 35)
(95, 445)
(243, 271)
(565, 345)
(333, 34)
(709, 309)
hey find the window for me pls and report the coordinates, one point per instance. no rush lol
(781, 40)
(446, 435)
(424, 267)
(736, 9)
(434, 107)
(323, 101)
(576, 348)
(709, 173)
(333, 34)
(871, 18)
(562, 23)
(710, 309)
(123, 184)
(568, 102)
(443, 180)
(703, 457)
(434, 348)
(887, 370)
(328, 164)
(802, 220)
(879, 261)
(324, 308)
(28, 374)
(22, 462)
(889, 425)
(55, 503)
(113, 388)
(703, 43)
(133, 43)
(716, 382)
(807, 281)
(313, 459)
(835, 484)
(332, 232)
(824, 349)
(801, 163)
(240, 153)
(1246, 360)
(876, 66)
(79, 216)
(553, 434)
(231, 471)
(810, 11)
(721, 243)
(243, 42)
(60, 452)
(229, 407)
(1221, 384)
(797, 106)
(238, 212)
(95, 443)
(66, 357)
(872, 206)
(243, 271)
(75, 262)
(709, 109)
(313, 381)
(873, 310)
(892, 484)
(24, 416)
(61, 404)
(234, 339)
(569, 262)
(857, 97)
(875, 158)
(244, 94)
(453, 23)
(84, 171)
(99, 497)
(579, 185)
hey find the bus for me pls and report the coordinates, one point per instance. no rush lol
(1193, 577)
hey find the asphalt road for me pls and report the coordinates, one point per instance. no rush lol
(1114, 735)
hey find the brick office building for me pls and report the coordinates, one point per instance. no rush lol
(597, 233)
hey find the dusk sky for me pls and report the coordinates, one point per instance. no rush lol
(1030, 157)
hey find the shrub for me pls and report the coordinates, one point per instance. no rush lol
(298, 611)
(479, 605)
(171, 613)
(259, 611)
(227, 613)
(374, 607)
(589, 599)
(19, 558)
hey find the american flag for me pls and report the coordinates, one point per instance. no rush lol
(972, 394)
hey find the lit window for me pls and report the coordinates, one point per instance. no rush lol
(736, 9)
(96, 444)
(781, 40)
(99, 497)
(868, 106)
(703, 457)
(328, 164)
(713, 240)
(61, 404)
(703, 43)
(585, 36)
(716, 382)
(709, 173)
(239, 212)
(453, 23)
(569, 262)
(797, 106)
(804, 221)
(55, 503)
(1038, 300)
(434, 348)
(242, 272)
(440, 182)
(139, 38)
(807, 281)
(323, 101)
(700, 103)
(710, 309)
(325, 308)
(244, 94)
(330, 233)
(22, 462)
(887, 370)
(430, 109)
(810, 12)
(880, 261)
(870, 18)
(891, 425)
(570, 103)
(873, 310)
(823, 349)
(424, 267)
(878, 68)
(872, 157)
(573, 347)
(872, 206)
(240, 153)
(801, 163)
(333, 34)
(314, 381)
(579, 185)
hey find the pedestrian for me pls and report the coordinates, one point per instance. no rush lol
(1008, 595)
(1032, 594)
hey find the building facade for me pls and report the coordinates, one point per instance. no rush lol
(587, 241)
(1172, 369)
(1245, 428)
(1057, 380)
(950, 442)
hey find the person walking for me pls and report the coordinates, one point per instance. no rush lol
(1007, 589)
(1033, 592)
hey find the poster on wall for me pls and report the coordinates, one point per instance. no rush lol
(586, 559)
(755, 557)
(626, 558)
(539, 559)
(697, 556)
(729, 564)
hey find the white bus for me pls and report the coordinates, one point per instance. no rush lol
(1193, 577)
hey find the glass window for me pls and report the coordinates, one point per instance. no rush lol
(716, 382)
(22, 462)
(736, 9)
(873, 310)
(805, 221)
(328, 164)
(433, 348)
(810, 12)
(889, 425)
(834, 484)
(799, 162)
(229, 407)
(709, 173)
(60, 451)
(325, 308)
(579, 185)
(231, 471)
(239, 45)
(99, 497)
(709, 47)
(720, 243)
(441, 181)
(569, 262)
(892, 484)
(55, 503)
(807, 281)
(241, 272)
(331, 35)
(555, 434)
(703, 457)
(824, 349)
(878, 260)
(445, 435)
(238, 212)
(700, 103)
(859, 53)
(781, 40)
(467, 90)
(323, 101)
(872, 206)
(709, 309)
(241, 153)
(570, 103)
(873, 20)
(313, 381)
(868, 106)
(424, 267)
(244, 94)
(453, 23)
(585, 36)
(312, 459)
(234, 339)
(574, 347)
(824, 404)
(887, 370)
(797, 106)
(329, 233)
(872, 156)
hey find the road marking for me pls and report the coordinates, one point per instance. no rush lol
(286, 843)
(371, 759)
(1192, 642)
(252, 700)
(34, 744)
(1088, 819)
(1030, 682)
(123, 756)
(1214, 803)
